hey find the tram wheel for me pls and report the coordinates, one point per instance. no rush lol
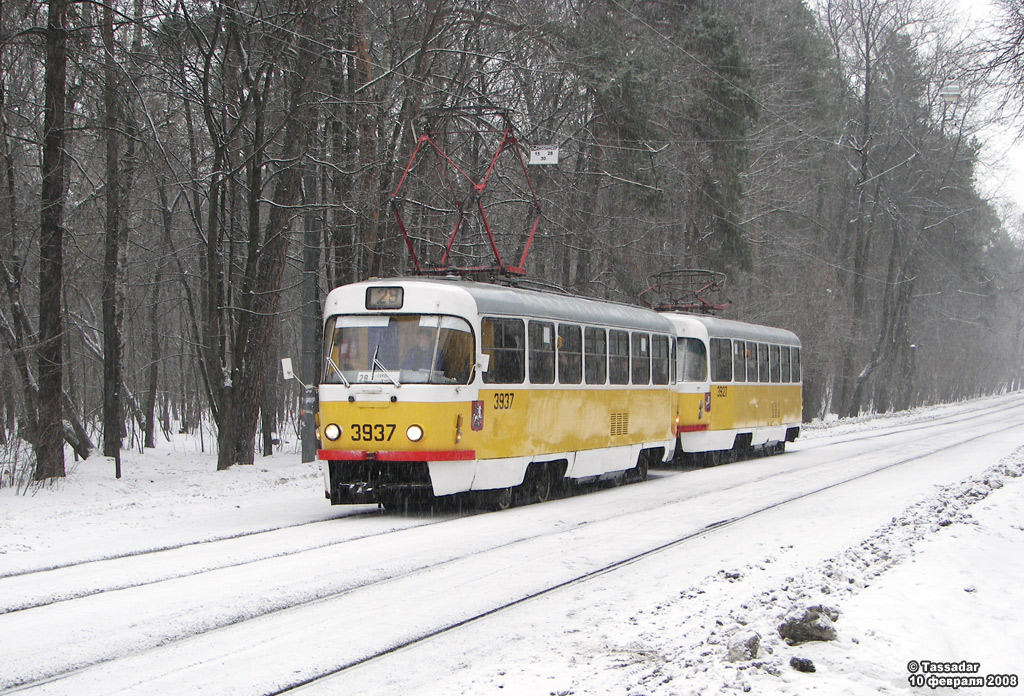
(639, 472)
(642, 469)
(539, 485)
(497, 499)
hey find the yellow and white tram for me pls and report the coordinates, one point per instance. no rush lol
(438, 386)
(443, 386)
(739, 385)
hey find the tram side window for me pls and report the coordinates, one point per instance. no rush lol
(570, 354)
(739, 360)
(596, 355)
(762, 361)
(542, 352)
(660, 360)
(774, 353)
(673, 363)
(504, 341)
(751, 354)
(618, 357)
(721, 360)
(693, 360)
(796, 365)
(641, 358)
(785, 364)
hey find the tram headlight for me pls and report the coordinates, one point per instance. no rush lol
(332, 431)
(414, 433)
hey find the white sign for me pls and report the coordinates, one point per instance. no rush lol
(286, 368)
(544, 154)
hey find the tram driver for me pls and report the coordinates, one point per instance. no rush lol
(419, 356)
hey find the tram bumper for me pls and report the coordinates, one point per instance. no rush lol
(376, 477)
(367, 492)
(371, 481)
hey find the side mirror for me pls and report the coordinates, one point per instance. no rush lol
(480, 367)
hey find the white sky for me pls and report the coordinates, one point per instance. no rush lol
(1001, 175)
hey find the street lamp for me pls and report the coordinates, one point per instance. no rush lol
(950, 92)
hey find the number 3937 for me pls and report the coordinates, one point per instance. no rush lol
(503, 400)
(366, 432)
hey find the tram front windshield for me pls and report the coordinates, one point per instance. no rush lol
(397, 349)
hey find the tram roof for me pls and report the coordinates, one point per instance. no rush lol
(503, 300)
(730, 328)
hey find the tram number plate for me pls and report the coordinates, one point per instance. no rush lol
(722, 392)
(366, 432)
(503, 400)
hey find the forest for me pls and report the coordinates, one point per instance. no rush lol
(184, 181)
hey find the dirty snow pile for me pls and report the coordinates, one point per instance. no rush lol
(894, 594)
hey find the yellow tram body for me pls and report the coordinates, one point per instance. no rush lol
(445, 386)
(511, 387)
(739, 385)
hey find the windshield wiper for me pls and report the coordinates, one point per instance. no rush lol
(377, 363)
(337, 370)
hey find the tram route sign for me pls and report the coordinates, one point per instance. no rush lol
(544, 154)
(287, 371)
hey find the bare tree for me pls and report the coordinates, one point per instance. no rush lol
(259, 306)
(113, 312)
(48, 436)
(807, 155)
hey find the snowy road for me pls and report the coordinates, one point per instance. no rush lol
(379, 603)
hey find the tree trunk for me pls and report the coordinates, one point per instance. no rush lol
(342, 256)
(153, 368)
(269, 402)
(49, 438)
(590, 195)
(310, 322)
(261, 304)
(113, 423)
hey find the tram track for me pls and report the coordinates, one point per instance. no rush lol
(141, 553)
(57, 576)
(1017, 402)
(554, 539)
(61, 576)
(138, 553)
(711, 528)
(782, 462)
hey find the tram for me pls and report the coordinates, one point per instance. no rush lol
(739, 387)
(440, 386)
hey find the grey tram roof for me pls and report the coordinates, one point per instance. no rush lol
(503, 300)
(729, 328)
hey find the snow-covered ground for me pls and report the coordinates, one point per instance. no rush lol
(916, 551)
